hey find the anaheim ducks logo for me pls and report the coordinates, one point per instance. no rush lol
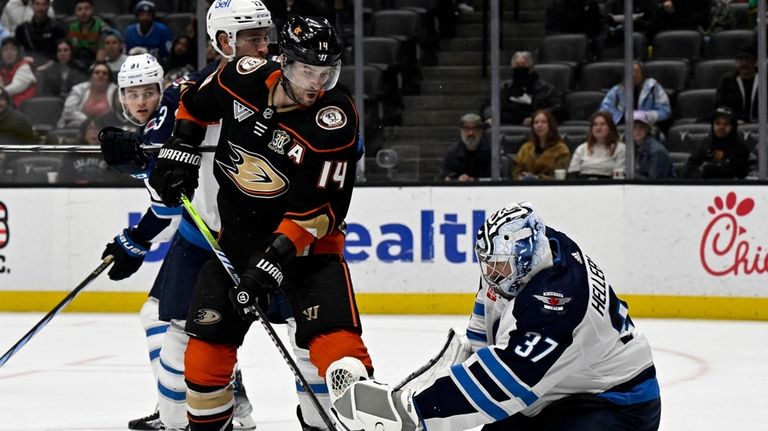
(248, 65)
(331, 118)
(253, 174)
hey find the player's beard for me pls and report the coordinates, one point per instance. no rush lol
(289, 88)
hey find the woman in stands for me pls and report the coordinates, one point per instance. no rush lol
(546, 151)
(602, 155)
(92, 98)
(57, 77)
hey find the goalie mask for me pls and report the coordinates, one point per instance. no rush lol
(512, 247)
(311, 53)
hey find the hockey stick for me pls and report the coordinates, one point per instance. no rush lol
(262, 317)
(60, 306)
(81, 148)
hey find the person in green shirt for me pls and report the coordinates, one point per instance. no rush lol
(85, 33)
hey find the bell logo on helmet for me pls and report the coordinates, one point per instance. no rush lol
(222, 4)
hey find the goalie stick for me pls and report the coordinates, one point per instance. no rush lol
(60, 306)
(262, 318)
(83, 148)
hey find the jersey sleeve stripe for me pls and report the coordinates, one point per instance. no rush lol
(164, 211)
(646, 391)
(315, 149)
(475, 394)
(474, 335)
(298, 235)
(505, 377)
(479, 309)
(234, 95)
(183, 114)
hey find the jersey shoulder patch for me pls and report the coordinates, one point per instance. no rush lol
(248, 64)
(331, 118)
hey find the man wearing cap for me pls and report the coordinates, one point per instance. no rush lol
(652, 159)
(155, 36)
(738, 90)
(469, 158)
(111, 49)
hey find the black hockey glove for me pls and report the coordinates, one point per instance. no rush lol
(176, 172)
(261, 279)
(122, 151)
(128, 255)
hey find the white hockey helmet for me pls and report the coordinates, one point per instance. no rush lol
(231, 16)
(512, 247)
(140, 69)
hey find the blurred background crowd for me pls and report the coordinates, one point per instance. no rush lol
(426, 83)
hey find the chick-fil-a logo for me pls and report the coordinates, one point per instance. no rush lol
(723, 249)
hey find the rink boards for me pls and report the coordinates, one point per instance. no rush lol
(682, 251)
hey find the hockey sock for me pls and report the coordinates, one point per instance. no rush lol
(171, 386)
(155, 330)
(208, 372)
(309, 413)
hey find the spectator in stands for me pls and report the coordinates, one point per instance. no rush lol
(38, 36)
(524, 94)
(17, 12)
(15, 128)
(88, 168)
(89, 99)
(602, 155)
(57, 77)
(183, 53)
(650, 98)
(720, 16)
(642, 18)
(16, 73)
(469, 158)
(652, 159)
(112, 51)
(724, 156)
(546, 151)
(85, 33)
(681, 15)
(738, 90)
(574, 16)
(153, 35)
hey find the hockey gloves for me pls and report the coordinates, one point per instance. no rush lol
(260, 280)
(122, 151)
(176, 173)
(128, 255)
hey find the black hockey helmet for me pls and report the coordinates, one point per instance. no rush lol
(310, 40)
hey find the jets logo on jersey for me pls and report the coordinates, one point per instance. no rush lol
(248, 65)
(206, 316)
(576, 255)
(331, 118)
(240, 111)
(253, 174)
(553, 301)
(279, 139)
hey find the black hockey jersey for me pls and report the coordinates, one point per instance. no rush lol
(288, 170)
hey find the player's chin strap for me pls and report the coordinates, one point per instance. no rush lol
(371, 406)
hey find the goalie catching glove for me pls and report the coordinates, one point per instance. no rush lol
(178, 164)
(128, 254)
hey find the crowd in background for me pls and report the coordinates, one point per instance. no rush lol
(69, 59)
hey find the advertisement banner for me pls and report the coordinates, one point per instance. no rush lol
(697, 241)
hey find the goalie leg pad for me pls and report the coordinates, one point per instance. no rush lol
(455, 350)
(372, 406)
(155, 330)
(172, 400)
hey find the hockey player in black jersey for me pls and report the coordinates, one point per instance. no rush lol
(285, 165)
(549, 347)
